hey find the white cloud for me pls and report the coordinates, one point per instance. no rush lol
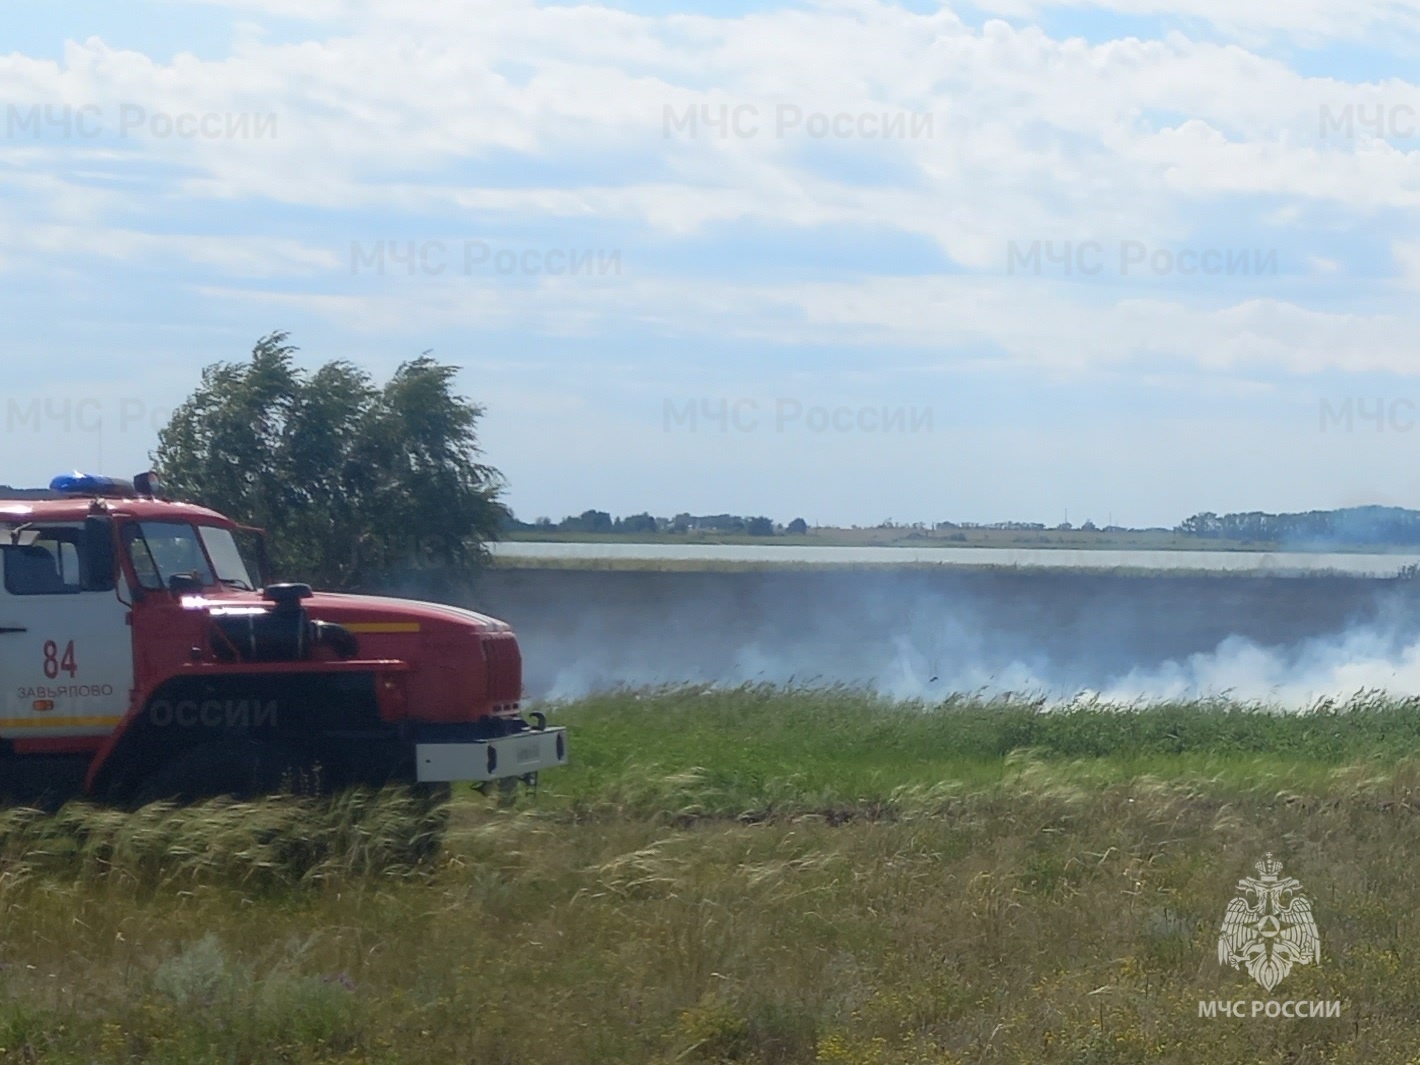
(395, 114)
(1313, 22)
(957, 321)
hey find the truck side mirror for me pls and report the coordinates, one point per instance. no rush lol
(185, 584)
(99, 569)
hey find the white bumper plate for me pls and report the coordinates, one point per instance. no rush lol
(511, 756)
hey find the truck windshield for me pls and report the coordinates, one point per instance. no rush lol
(226, 557)
(160, 550)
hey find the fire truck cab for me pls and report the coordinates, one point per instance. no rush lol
(142, 657)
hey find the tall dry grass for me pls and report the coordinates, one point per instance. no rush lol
(1047, 908)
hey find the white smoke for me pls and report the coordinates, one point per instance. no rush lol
(909, 641)
(1335, 667)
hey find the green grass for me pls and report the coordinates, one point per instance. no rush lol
(747, 876)
(905, 536)
(712, 565)
(1140, 539)
(759, 747)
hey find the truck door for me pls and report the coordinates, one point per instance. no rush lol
(66, 655)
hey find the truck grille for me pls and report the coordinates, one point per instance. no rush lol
(505, 668)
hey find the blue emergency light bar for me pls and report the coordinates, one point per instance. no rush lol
(144, 486)
(83, 484)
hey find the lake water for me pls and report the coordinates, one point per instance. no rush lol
(1280, 562)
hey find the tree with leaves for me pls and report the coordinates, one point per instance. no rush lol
(360, 486)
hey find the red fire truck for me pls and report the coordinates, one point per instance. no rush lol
(143, 657)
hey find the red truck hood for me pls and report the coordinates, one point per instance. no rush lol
(373, 610)
(462, 665)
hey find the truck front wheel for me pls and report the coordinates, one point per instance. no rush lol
(242, 770)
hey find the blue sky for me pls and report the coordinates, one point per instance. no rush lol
(1015, 259)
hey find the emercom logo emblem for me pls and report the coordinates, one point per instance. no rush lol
(1268, 929)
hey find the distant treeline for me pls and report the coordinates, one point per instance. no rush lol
(1352, 525)
(599, 521)
(1349, 526)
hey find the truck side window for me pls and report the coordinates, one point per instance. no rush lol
(50, 566)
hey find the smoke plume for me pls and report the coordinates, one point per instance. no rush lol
(922, 635)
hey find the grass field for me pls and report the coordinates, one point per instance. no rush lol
(749, 876)
(1105, 568)
(904, 536)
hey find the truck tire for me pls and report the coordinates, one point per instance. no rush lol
(242, 770)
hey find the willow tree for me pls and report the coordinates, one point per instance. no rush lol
(360, 485)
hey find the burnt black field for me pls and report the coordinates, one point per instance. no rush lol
(926, 634)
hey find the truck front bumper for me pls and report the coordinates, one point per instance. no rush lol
(508, 756)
